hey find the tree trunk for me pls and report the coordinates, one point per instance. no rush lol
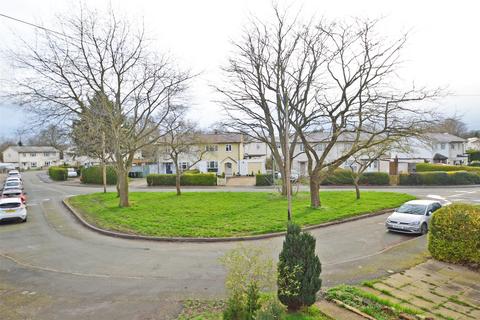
(177, 183)
(104, 177)
(357, 187)
(123, 188)
(315, 194)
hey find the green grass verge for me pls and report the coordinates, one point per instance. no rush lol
(223, 214)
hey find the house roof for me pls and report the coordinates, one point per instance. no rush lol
(219, 137)
(34, 149)
(444, 137)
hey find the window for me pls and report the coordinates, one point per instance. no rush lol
(47, 163)
(319, 147)
(46, 154)
(212, 166)
(228, 147)
(211, 148)
(302, 148)
(33, 154)
(33, 164)
(442, 146)
(452, 145)
(183, 166)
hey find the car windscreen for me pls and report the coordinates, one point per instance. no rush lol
(12, 194)
(12, 183)
(10, 205)
(416, 209)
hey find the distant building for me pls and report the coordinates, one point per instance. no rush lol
(31, 157)
(473, 144)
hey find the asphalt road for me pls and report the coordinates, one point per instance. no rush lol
(53, 268)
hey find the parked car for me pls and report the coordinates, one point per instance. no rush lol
(294, 175)
(13, 185)
(12, 209)
(15, 193)
(412, 217)
(71, 172)
(14, 173)
(13, 179)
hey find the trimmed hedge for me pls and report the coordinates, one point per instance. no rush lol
(428, 167)
(475, 163)
(198, 179)
(344, 177)
(93, 175)
(263, 180)
(439, 178)
(455, 234)
(58, 173)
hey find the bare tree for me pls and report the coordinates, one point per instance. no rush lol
(182, 141)
(363, 159)
(269, 76)
(101, 54)
(453, 125)
(54, 135)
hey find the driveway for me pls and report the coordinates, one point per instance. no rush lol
(53, 268)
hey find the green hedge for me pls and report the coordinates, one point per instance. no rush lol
(439, 178)
(263, 180)
(473, 155)
(200, 179)
(427, 167)
(58, 173)
(475, 163)
(93, 175)
(344, 177)
(455, 234)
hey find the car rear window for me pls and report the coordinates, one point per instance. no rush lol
(12, 183)
(10, 205)
(11, 195)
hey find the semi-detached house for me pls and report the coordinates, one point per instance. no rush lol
(31, 157)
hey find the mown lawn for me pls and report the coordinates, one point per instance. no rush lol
(223, 214)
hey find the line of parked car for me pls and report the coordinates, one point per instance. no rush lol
(13, 201)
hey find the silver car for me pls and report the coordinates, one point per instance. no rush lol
(412, 217)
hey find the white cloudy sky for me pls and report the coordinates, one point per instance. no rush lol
(443, 48)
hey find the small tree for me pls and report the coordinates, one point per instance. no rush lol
(298, 269)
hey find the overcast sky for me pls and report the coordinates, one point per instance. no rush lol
(443, 49)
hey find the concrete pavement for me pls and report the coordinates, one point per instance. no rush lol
(53, 268)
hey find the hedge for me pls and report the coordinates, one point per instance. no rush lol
(439, 178)
(93, 175)
(473, 155)
(263, 180)
(344, 177)
(199, 179)
(427, 167)
(58, 173)
(455, 234)
(474, 163)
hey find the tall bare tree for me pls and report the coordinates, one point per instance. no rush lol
(54, 135)
(98, 53)
(181, 140)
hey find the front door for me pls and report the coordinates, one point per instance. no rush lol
(168, 168)
(228, 169)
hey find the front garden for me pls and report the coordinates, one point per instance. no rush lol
(223, 214)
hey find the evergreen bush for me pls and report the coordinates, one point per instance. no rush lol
(298, 269)
(93, 175)
(58, 173)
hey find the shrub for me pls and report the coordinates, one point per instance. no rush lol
(200, 179)
(252, 304)
(298, 269)
(426, 167)
(344, 177)
(339, 177)
(93, 175)
(455, 234)
(235, 308)
(263, 180)
(58, 173)
(473, 155)
(440, 178)
(374, 179)
(271, 309)
(475, 163)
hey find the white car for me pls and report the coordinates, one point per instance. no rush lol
(71, 172)
(12, 209)
(412, 217)
(14, 173)
(13, 185)
(13, 179)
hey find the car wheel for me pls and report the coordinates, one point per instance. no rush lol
(24, 220)
(424, 228)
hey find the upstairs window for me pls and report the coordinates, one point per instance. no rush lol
(33, 154)
(211, 148)
(228, 147)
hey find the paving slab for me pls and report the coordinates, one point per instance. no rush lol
(336, 312)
